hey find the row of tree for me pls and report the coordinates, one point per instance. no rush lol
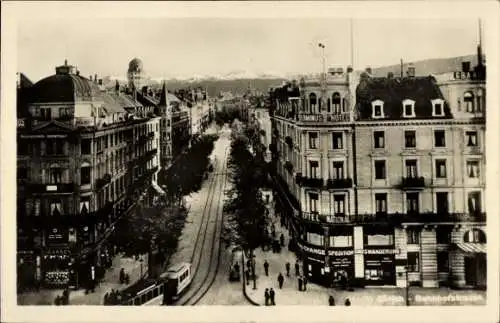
(228, 114)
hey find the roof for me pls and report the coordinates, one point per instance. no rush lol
(393, 91)
(135, 65)
(177, 267)
(64, 88)
(115, 103)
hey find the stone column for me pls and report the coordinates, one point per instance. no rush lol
(359, 258)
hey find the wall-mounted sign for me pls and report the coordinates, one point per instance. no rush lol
(459, 75)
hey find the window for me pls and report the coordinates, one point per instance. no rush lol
(412, 202)
(341, 241)
(377, 109)
(85, 175)
(443, 234)
(336, 103)
(45, 113)
(439, 138)
(443, 264)
(84, 205)
(378, 139)
(337, 140)
(440, 168)
(313, 168)
(413, 236)
(442, 202)
(313, 140)
(473, 168)
(408, 108)
(313, 202)
(380, 169)
(475, 236)
(54, 147)
(339, 205)
(437, 108)
(55, 174)
(379, 239)
(380, 203)
(315, 239)
(85, 148)
(411, 168)
(410, 139)
(471, 138)
(312, 102)
(413, 262)
(55, 208)
(474, 202)
(338, 170)
(469, 102)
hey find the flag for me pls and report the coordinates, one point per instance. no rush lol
(321, 45)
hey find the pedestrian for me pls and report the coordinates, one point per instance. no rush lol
(347, 302)
(300, 283)
(297, 267)
(266, 267)
(266, 296)
(106, 299)
(237, 268)
(122, 276)
(287, 266)
(249, 264)
(271, 296)
(127, 279)
(65, 296)
(273, 232)
(247, 276)
(280, 280)
(304, 282)
(331, 301)
(282, 240)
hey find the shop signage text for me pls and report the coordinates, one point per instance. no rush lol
(340, 253)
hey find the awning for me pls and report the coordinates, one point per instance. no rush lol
(158, 188)
(472, 247)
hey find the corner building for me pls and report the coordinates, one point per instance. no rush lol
(85, 157)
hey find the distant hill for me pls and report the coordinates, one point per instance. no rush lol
(428, 66)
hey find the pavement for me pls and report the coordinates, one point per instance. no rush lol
(78, 297)
(318, 295)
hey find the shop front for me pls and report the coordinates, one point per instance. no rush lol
(56, 266)
(380, 268)
(342, 265)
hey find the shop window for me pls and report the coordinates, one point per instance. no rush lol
(475, 236)
(411, 168)
(473, 168)
(378, 139)
(381, 203)
(337, 140)
(413, 236)
(443, 263)
(440, 168)
(413, 262)
(313, 140)
(471, 138)
(315, 239)
(380, 169)
(474, 202)
(379, 239)
(341, 241)
(443, 234)
(410, 139)
(338, 170)
(412, 202)
(439, 138)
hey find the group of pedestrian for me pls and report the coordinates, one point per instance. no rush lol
(62, 299)
(112, 298)
(269, 295)
(124, 277)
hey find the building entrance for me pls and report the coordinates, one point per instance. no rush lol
(475, 270)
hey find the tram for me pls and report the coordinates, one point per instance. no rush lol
(176, 279)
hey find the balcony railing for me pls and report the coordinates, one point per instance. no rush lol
(51, 188)
(339, 183)
(325, 218)
(412, 182)
(309, 182)
(423, 217)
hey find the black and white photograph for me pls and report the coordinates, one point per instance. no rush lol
(327, 162)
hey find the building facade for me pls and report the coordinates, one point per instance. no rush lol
(392, 193)
(84, 158)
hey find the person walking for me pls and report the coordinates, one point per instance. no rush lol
(331, 301)
(280, 280)
(266, 296)
(247, 276)
(266, 268)
(287, 266)
(297, 267)
(347, 302)
(282, 240)
(300, 283)
(122, 276)
(271, 296)
(304, 282)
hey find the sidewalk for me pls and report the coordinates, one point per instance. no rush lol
(318, 295)
(78, 297)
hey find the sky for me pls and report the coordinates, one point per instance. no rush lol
(189, 47)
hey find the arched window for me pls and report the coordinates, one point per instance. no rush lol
(313, 100)
(475, 236)
(336, 106)
(469, 102)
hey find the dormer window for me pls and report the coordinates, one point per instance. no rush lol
(378, 109)
(409, 108)
(437, 108)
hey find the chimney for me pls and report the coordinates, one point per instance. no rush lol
(349, 69)
(411, 71)
(368, 70)
(390, 75)
(465, 66)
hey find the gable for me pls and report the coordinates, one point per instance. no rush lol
(52, 127)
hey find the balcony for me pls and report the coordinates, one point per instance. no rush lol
(325, 218)
(413, 183)
(309, 182)
(424, 217)
(51, 188)
(339, 183)
(101, 182)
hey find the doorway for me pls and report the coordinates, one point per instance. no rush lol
(475, 270)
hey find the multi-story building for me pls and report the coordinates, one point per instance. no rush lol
(261, 115)
(414, 148)
(84, 158)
